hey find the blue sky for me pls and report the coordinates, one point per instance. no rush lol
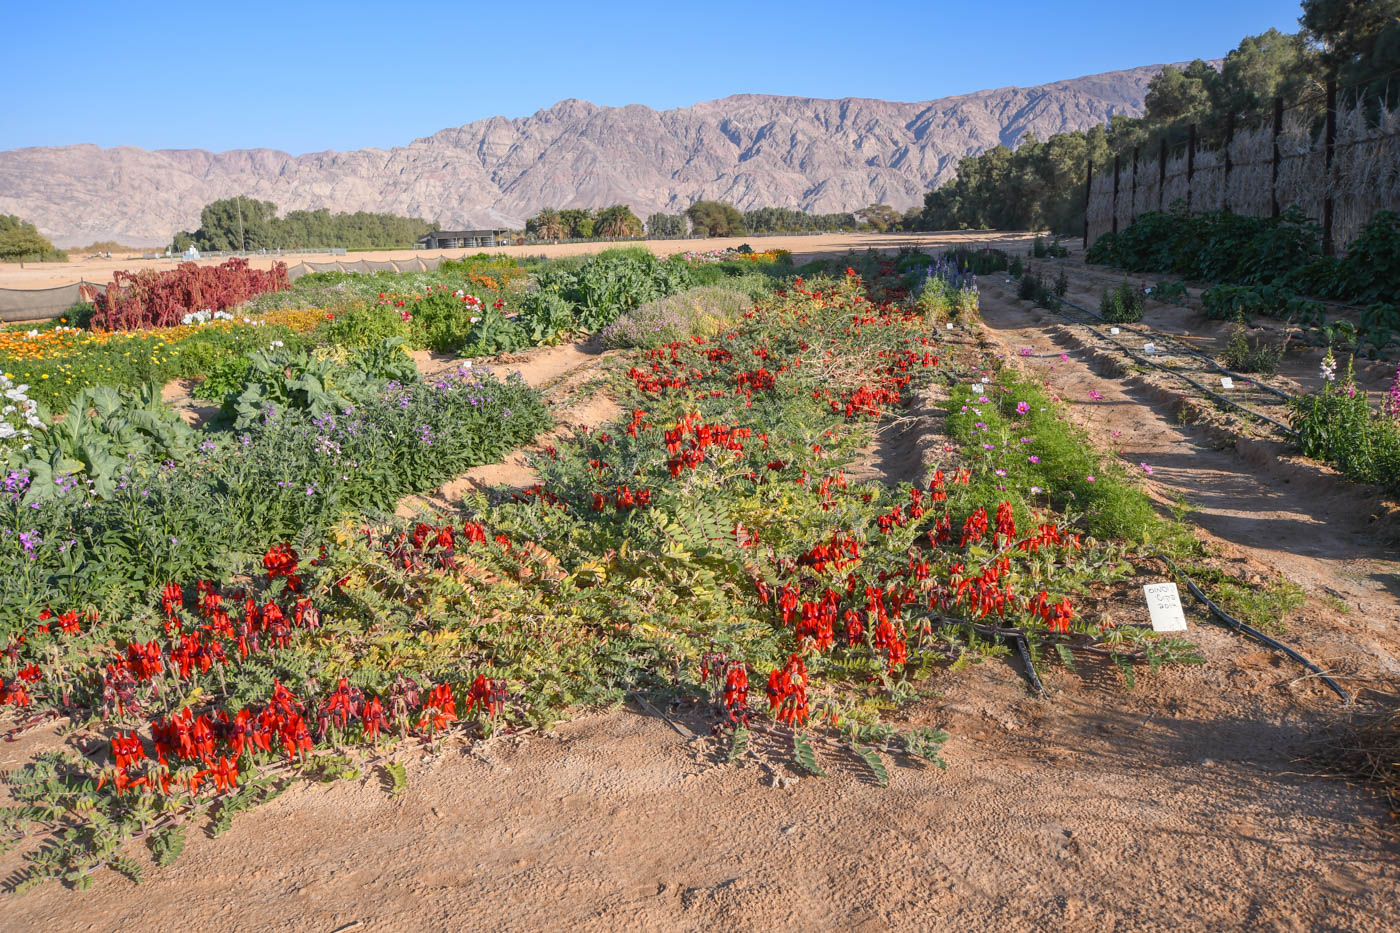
(304, 77)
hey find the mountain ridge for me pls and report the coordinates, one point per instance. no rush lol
(753, 150)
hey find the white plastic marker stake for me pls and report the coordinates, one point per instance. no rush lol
(978, 388)
(1113, 330)
(1164, 606)
(1149, 348)
(1226, 382)
(950, 326)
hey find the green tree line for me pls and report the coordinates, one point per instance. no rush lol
(703, 218)
(21, 241)
(1040, 184)
(247, 223)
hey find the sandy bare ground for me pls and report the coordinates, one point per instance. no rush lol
(1185, 803)
(50, 275)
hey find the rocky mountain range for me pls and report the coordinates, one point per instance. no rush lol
(751, 150)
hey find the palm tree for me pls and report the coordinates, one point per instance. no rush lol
(548, 225)
(618, 221)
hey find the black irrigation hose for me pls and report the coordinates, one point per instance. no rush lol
(1180, 345)
(1249, 630)
(1288, 431)
(1015, 637)
(1018, 640)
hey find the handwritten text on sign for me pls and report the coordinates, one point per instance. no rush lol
(1164, 606)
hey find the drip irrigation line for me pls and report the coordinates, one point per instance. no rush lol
(1322, 301)
(1014, 637)
(1287, 431)
(1023, 650)
(1244, 629)
(1186, 348)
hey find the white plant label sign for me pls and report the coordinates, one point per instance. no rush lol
(1164, 606)
(978, 388)
(1113, 330)
(950, 326)
(1149, 348)
(1226, 382)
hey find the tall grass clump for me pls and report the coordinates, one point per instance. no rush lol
(699, 311)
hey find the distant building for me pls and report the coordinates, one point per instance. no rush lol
(459, 239)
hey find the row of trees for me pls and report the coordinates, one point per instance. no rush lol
(583, 223)
(246, 223)
(1041, 184)
(703, 218)
(21, 241)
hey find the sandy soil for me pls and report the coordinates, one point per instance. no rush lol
(52, 274)
(1185, 804)
(1299, 370)
(1275, 512)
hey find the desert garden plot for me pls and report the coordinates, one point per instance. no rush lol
(709, 544)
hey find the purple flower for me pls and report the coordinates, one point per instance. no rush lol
(1022, 407)
(1033, 459)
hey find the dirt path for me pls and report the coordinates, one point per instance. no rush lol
(1177, 806)
(1260, 504)
(1299, 370)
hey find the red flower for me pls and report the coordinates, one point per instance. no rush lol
(487, 693)
(225, 774)
(439, 709)
(127, 750)
(373, 719)
(787, 692)
(171, 598)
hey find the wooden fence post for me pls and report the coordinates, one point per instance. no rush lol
(1161, 173)
(1327, 206)
(1133, 213)
(1088, 190)
(1116, 166)
(1190, 163)
(1273, 180)
(1229, 164)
